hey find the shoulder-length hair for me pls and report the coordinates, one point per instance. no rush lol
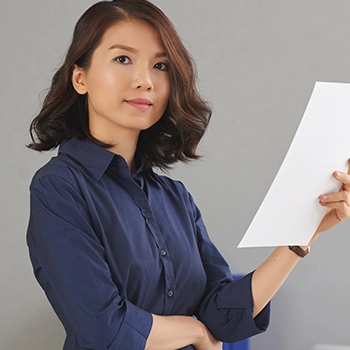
(64, 113)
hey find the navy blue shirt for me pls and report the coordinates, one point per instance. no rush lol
(109, 249)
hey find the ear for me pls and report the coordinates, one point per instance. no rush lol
(78, 80)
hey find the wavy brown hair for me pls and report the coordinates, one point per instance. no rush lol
(64, 113)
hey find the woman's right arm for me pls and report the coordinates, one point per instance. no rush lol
(174, 332)
(69, 263)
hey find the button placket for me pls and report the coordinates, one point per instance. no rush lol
(164, 257)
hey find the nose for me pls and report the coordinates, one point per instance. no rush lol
(143, 79)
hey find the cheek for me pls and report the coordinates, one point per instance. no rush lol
(166, 92)
(102, 80)
(161, 82)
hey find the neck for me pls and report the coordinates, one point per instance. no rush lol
(125, 146)
(127, 151)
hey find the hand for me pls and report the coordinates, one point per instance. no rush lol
(337, 202)
(207, 341)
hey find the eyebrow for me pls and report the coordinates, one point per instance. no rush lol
(131, 49)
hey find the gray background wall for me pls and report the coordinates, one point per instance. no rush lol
(258, 62)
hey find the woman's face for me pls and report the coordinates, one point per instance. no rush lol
(127, 83)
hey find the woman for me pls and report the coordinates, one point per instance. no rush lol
(121, 252)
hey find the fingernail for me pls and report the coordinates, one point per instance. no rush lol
(322, 198)
(337, 174)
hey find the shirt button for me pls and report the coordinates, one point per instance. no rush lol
(163, 252)
(147, 215)
(170, 293)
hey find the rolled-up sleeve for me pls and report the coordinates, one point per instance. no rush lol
(227, 306)
(227, 311)
(69, 263)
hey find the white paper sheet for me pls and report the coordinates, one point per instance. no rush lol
(290, 212)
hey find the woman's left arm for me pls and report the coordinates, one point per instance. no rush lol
(268, 277)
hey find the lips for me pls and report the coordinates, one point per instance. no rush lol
(139, 103)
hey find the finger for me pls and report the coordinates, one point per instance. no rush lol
(342, 196)
(344, 178)
(347, 187)
(341, 209)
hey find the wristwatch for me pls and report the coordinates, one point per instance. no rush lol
(299, 251)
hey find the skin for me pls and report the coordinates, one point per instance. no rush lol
(130, 63)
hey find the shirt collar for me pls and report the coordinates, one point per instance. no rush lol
(97, 159)
(93, 157)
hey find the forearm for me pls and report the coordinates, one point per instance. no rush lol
(174, 332)
(269, 276)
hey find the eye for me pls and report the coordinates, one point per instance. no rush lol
(161, 66)
(123, 59)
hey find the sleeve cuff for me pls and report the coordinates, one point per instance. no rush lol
(135, 329)
(228, 313)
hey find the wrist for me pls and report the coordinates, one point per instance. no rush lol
(200, 332)
(174, 332)
(300, 251)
